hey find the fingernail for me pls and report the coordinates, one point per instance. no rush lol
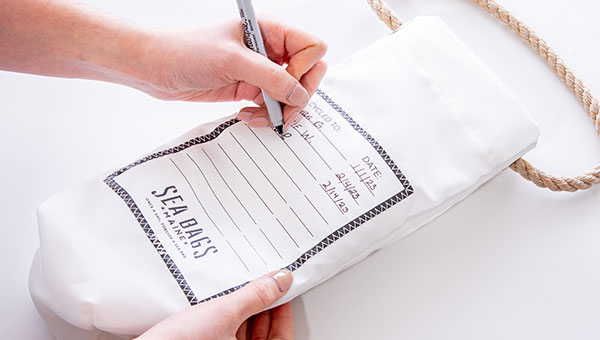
(244, 115)
(292, 118)
(283, 279)
(258, 122)
(298, 96)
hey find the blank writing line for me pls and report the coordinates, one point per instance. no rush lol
(214, 193)
(271, 243)
(256, 251)
(198, 199)
(317, 210)
(312, 147)
(275, 159)
(301, 162)
(224, 181)
(244, 176)
(333, 145)
(238, 255)
(258, 167)
(299, 219)
(287, 232)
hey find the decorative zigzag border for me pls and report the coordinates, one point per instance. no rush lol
(198, 140)
(370, 139)
(408, 190)
(177, 274)
(324, 243)
(189, 294)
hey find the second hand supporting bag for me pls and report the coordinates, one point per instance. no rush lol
(398, 133)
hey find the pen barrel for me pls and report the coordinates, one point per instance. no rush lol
(252, 36)
(254, 41)
(273, 109)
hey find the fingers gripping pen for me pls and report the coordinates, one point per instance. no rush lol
(255, 42)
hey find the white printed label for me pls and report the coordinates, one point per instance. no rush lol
(230, 206)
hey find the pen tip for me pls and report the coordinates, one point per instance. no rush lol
(279, 130)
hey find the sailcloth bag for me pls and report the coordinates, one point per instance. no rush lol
(398, 133)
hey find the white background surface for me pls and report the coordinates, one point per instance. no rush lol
(510, 262)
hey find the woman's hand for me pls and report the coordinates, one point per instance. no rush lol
(229, 317)
(65, 38)
(213, 64)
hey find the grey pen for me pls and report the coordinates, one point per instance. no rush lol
(254, 41)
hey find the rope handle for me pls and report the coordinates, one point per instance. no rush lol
(590, 104)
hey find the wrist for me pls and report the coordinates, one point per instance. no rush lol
(72, 40)
(123, 54)
(100, 46)
(141, 61)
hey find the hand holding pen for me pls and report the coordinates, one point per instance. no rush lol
(208, 64)
(70, 39)
(305, 66)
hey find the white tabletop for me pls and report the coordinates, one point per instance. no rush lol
(509, 262)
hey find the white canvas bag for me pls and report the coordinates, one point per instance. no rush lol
(397, 134)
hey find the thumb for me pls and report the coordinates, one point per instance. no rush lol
(271, 77)
(261, 293)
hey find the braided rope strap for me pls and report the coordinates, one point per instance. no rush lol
(590, 104)
(385, 14)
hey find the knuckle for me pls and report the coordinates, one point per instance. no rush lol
(278, 75)
(316, 46)
(322, 46)
(321, 65)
